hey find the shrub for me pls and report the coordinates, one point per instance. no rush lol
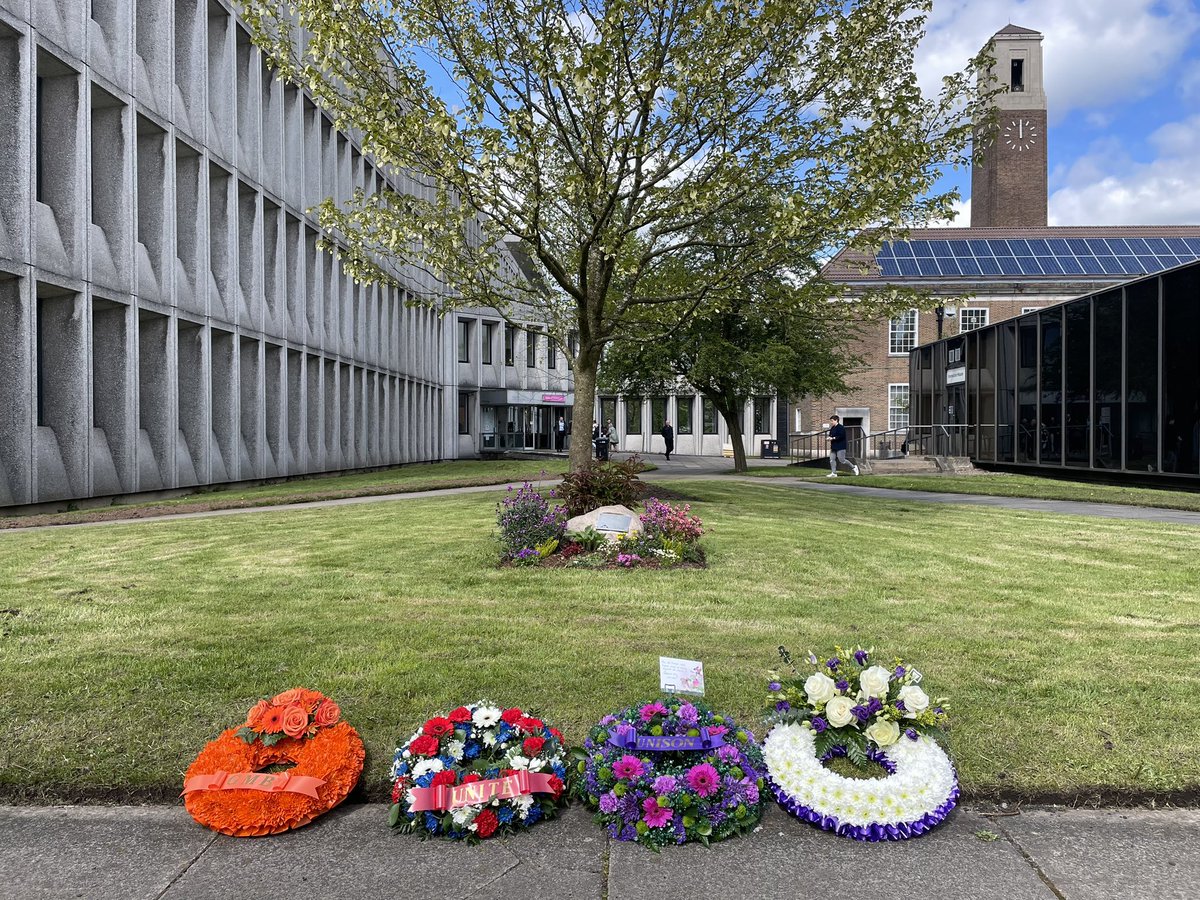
(602, 484)
(526, 521)
(672, 522)
(589, 539)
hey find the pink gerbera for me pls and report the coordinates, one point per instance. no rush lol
(703, 779)
(656, 816)
(650, 710)
(628, 767)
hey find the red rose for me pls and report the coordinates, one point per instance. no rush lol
(446, 776)
(438, 726)
(295, 721)
(462, 714)
(485, 823)
(556, 786)
(533, 745)
(424, 746)
(511, 716)
(529, 724)
(327, 713)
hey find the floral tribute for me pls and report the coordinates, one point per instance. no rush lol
(300, 733)
(478, 771)
(849, 705)
(671, 771)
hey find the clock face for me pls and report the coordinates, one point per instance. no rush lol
(1021, 135)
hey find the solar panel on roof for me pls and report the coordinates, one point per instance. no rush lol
(949, 265)
(1039, 247)
(1077, 246)
(1149, 263)
(980, 249)
(1051, 265)
(1070, 265)
(885, 251)
(988, 266)
(1130, 265)
(888, 268)
(1091, 265)
(1137, 246)
(1159, 246)
(1059, 247)
(1118, 246)
(908, 266)
(922, 249)
(1193, 244)
(970, 268)
(902, 250)
(1029, 265)
(960, 248)
(1109, 265)
(1178, 247)
(927, 267)
(1019, 247)
(1009, 265)
(1000, 248)
(940, 248)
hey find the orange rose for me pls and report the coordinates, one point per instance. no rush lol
(328, 713)
(295, 721)
(287, 698)
(255, 716)
(310, 700)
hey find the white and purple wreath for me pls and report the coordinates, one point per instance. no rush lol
(850, 706)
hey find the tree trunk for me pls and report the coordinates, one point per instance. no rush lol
(733, 421)
(584, 413)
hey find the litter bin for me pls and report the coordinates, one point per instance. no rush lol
(602, 449)
(768, 449)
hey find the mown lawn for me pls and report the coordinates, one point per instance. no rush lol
(1002, 484)
(1067, 646)
(401, 479)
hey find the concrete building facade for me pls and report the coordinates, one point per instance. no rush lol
(166, 317)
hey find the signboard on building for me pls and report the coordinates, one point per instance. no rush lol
(956, 376)
(554, 398)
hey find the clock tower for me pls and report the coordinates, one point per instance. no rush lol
(1008, 186)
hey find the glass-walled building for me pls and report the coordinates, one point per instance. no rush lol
(1109, 381)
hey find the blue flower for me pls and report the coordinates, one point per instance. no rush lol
(504, 814)
(432, 823)
(472, 749)
(401, 768)
(560, 771)
(899, 673)
(842, 685)
(782, 706)
(426, 779)
(833, 663)
(860, 657)
(492, 773)
(862, 712)
(819, 724)
(534, 814)
(447, 761)
(774, 686)
(503, 732)
(900, 706)
(910, 733)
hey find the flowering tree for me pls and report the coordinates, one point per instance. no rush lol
(599, 133)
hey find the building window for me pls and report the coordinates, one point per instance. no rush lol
(762, 414)
(709, 411)
(572, 343)
(897, 406)
(1029, 309)
(464, 412)
(551, 353)
(658, 413)
(1018, 76)
(683, 413)
(531, 337)
(510, 339)
(971, 318)
(902, 333)
(489, 335)
(464, 340)
(608, 411)
(633, 415)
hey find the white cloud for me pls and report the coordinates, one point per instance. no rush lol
(1106, 187)
(1097, 52)
(960, 219)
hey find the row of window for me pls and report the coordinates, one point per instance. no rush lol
(465, 334)
(902, 330)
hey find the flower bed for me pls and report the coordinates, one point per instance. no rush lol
(476, 772)
(227, 789)
(850, 706)
(671, 771)
(532, 533)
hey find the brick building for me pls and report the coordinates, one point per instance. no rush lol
(1007, 263)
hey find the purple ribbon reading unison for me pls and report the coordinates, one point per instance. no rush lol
(627, 738)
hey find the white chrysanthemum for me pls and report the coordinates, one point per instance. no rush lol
(465, 814)
(924, 779)
(486, 716)
(489, 738)
(425, 766)
(455, 749)
(523, 803)
(518, 762)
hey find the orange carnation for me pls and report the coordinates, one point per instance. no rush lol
(327, 713)
(287, 698)
(255, 716)
(295, 721)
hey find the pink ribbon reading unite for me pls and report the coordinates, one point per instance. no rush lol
(444, 797)
(254, 781)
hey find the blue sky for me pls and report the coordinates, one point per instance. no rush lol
(1123, 91)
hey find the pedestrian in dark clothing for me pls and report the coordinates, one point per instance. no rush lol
(668, 436)
(837, 447)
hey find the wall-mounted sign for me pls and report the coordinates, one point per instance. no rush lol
(554, 398)
(956, 376)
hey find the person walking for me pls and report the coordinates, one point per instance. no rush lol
(837, 447)
(613, 439)
(560, 434)
(668, 436)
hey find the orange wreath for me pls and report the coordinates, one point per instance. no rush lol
(226, 789)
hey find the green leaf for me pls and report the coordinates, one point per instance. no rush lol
(394, 815)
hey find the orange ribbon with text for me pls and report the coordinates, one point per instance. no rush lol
(271, 783)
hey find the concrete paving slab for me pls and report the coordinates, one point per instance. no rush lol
(1111, 854)
(790, 860)
(95, 852)
(352, 853)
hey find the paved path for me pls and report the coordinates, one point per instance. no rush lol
(702, 467)
(159, 853)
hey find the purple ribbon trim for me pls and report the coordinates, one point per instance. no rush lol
(875, 831)
(626, 738)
